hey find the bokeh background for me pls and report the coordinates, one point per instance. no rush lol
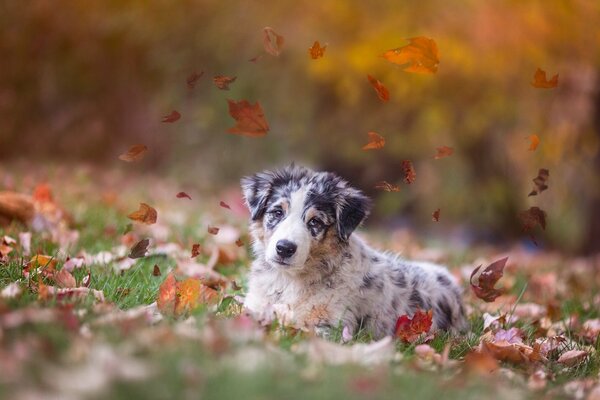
(82, 81)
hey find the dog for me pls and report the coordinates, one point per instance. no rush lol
(312, 272)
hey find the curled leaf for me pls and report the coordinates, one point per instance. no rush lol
(421, 55)
(140, 249)
(181, 195)
(222, 81)
(174, 116)
(382, 92)
(135, 153)
(409, 172)
(272, 41)
(540, 182)
(376, 141)
(487, 279)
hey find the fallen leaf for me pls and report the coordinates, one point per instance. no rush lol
(146, 214)
(42, 193)
(376, 141)
(181, 195)
(64, 279)
(140, 249)
(513, 335)
(135, 153)
(222, 81)
(409, 172)
(540, 80)
(531, 218)
(224, 205)
(195, 250)
(46, 264)
(436, 215)
(193, 79)
(382, 92)
(5, 250)
(316, 51)
(480, 363)
(11, 291)
(420, 56)
(250, 118)
(443, 151)
(409, 330)
(540, 182)
(487, 279)
(534, 141)
(516, 353)
(179, 298)
(272, 41)
(213, 230)
(239, 243)
(388, 187)
(174, 116)
(572, 357)
(156, 271)
(167, 295)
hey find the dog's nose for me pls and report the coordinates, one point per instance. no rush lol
(285, 248)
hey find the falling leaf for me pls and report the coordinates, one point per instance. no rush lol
(534, 142)
(316, 51)
(531, 218)
(224, 205)
(195, 250)
(436, 215)
(42, 193)
(487, 279)
(174, 116)
(213, 230)
(540, 182)
(239, 243)
(540, 80)
(181, 195)
(128, 228)
(156, 271)
(222, 81)
(443, 151)
(255, 59)
(376, 141)
(272, 41)
(409, 172)
(409, 330)
(135, 153)
(382, 92)
(64, 279)
(250, 118)
(140, 249)
(420, 56)
(146, 214)
(388, 187)
(193, 79)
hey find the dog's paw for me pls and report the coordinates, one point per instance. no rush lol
(324, 331)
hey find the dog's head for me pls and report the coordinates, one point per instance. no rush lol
(298, 215)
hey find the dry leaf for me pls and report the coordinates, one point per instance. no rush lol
(272, 41)
(179, 298)
(480, 363)
(531, 218)
(541, 82)
(213, 230)
(487, 279)
(140, 249)
(316, 51)
(135, 153)
(382, 92)
(222, 81)
(540, 182)
(193, 79)
(443, 151)
(572, 357)
(534, 142)
(250, 118)
(255, 59)
(409, 172)
(409, 330)
(146, 214)
(174, 116)
(436, 215)
(181, 195)
(420, 56)
(376, 141)
(195, 250)
(156, 271)
(64, 279)
(388, 187)
(239, 243)
(224, 205)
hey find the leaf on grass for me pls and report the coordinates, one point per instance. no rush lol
(480, 363)
(45, 264)
(222, 81)
(156, 271)
(487, 279)
(174, 116)
(140, 249)
(382, 92)
(540, 80)
(193, 79)
(540, 182)
(421, 55)
(409, 330)
(531, 218)
(316, 51)
(179, 298)
(135, 153)
(239, 243)
(213, 230)
(167, 295)
(443, 151)
(64, 279)
(146, 214)
(388, 187)
(195, 250)
(516, 352)
(436, 215)
(409, 172)
(572, 357)
(272, 41)
(250, 118)
(224, 205)
(181, 195)
(376, 141)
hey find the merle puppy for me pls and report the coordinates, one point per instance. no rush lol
(312, 272)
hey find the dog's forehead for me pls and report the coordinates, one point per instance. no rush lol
(318, 190)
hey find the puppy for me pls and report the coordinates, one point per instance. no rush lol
(312, 272)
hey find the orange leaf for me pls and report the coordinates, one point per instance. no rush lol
(222, 81)
(193, 79)
(443, 151)
(316, 51)
(181, 195)
(43, 193)
(409, 172)
(213, 230)
(178, 298)
(167, 295)
(135, 153)
(224, 205)
(540, 80)
(174, 116)
(534, 142)
(436, 215)
(146, 214)
(272, 41)
(376, 141)
(420, 56)
(487, 279)
(250, 118)
(47, 264)
(188, 295)
(388, 187)
(409, 330)
(382, 92)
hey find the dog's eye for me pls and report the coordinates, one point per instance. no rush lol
(276, 213)
(315, 223)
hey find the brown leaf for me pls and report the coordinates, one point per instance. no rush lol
(420, 56)
(388, 187)
(146, 214)
(195, 250)
(436, 215)
(213, 230)
(382, 92)
(540, 182)
(487, 279)
(64, 279)
(541, 82)
(224, 205)
(409, 172)
(239, 243)
(443, 151)
(572, 357)
(135, 153)
(156, 271)
(16, 206)
(250, 118)
(534, 142)
(174, 116)
(222, 81)
(316, 51)
(193, 79)
(376, 141)
(140, 249)
(181, 195)
(272, 41)
(480, 363)
(531, 218)
(255, 59)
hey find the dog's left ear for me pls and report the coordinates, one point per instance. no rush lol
(352, 209)
(257, 190)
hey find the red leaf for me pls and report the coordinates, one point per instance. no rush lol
(224, 205)
(487, 279)
(316, 51)
(174, 116)
(436, 215)
(272, 41)
(250, 118)
(409, 330)
(222, 81)
(443, 151)
(382, 92)
(193, 79)
(376, 141)
(181, 195)
(195, 250)
(409, 172)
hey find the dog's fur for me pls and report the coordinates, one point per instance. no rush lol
(333, 277)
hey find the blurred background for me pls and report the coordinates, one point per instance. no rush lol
(80, 82)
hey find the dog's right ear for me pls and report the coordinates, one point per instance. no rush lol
(257, 189)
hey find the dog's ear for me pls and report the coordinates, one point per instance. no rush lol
(351, 210)
(257, 189)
